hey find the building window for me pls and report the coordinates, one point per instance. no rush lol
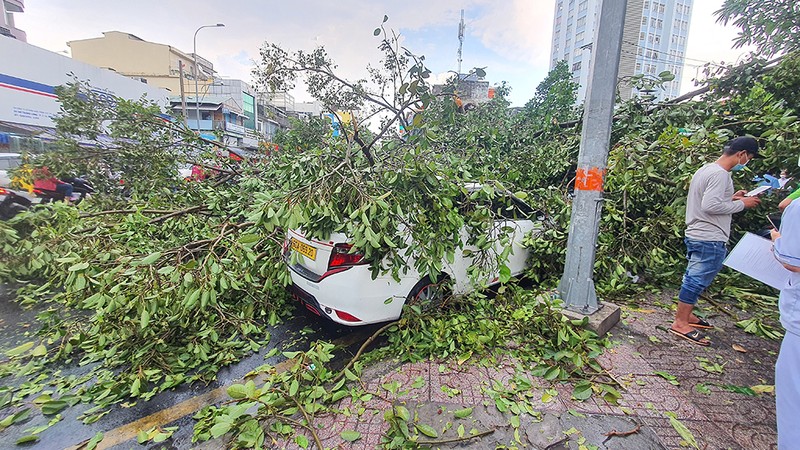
(644, 21)
(641, 36)
(638, 67)
(576, 67)
(581, 22)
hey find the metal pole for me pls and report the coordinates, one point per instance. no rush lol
(197, 72)
(577, 286)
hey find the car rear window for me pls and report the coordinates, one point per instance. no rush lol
(9, 162)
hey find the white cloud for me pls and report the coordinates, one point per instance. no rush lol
(511, 37)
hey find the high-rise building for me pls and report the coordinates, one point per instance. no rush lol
(654, 41)
(7, 27)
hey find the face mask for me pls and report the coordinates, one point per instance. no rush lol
(739, 167)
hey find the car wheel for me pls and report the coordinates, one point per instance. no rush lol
(429, 294)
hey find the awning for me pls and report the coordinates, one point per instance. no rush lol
(49, 134)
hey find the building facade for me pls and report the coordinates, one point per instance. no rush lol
(654, 40)
(7, 10)
(28, 100)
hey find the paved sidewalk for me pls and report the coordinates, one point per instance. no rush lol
(717, 419)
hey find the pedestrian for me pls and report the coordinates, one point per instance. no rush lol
(709, 207)
(787, 383)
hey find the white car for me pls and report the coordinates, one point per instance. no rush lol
(335, 283)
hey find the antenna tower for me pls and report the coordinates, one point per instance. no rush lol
(460, 40)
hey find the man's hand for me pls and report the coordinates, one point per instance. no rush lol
(750, 202)
(774, 234)
(738, 195)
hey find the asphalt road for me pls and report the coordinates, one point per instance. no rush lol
(171, 408)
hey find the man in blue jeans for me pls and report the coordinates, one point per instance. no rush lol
(709, 206)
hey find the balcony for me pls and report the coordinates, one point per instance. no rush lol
(14, 6)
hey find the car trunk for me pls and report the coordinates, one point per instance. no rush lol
(310, 255)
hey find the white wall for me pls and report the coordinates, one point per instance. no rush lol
(29, 74)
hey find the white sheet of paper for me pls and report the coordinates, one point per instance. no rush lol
(753, 257)
(758, 190)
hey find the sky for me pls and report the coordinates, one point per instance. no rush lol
(510, 38)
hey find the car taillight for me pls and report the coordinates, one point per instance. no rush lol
(346, 316)
(3, 191)
(342, 256)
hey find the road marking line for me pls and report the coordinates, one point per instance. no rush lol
(129, 431)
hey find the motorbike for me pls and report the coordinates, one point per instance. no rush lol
(12, 204)
(81, 189)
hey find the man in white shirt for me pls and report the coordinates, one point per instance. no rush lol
(709, 207)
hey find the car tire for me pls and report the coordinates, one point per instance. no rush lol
(429, 294)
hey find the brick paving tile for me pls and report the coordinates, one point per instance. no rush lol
(623, 360)
(458, 384)
(706, 434)
(407, 376)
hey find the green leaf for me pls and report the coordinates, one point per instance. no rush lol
(350, 436)
(219, 429)
(301, 441)
(27, 439)
(53, 407)
(78, 267)
(427, 430)
(92, 443)
(237, 391)
(377, 32)
(293, 388)
(582, 391)
(16, 351)
(402, 412)
(150, 259)
(144, 320)
(462, 413)
(505, 274)
(684, 432)
(249, 238)
(40, 350)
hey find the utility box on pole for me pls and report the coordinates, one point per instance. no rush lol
(577, 284)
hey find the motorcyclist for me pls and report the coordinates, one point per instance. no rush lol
(44, 180)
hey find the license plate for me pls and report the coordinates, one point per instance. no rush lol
(304, 249)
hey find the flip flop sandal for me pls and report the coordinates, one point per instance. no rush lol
(702, 324)
(693, 336)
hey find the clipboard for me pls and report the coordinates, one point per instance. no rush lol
(757, 191)
(753, 257)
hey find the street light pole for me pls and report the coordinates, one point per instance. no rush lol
(197, 72)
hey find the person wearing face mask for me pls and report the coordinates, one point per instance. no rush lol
(786, 248)
(710, 205)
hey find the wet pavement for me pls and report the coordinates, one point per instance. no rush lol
(657, 374)
(170, 408)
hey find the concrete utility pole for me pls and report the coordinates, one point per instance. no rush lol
(183, 94)
(577, 286)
